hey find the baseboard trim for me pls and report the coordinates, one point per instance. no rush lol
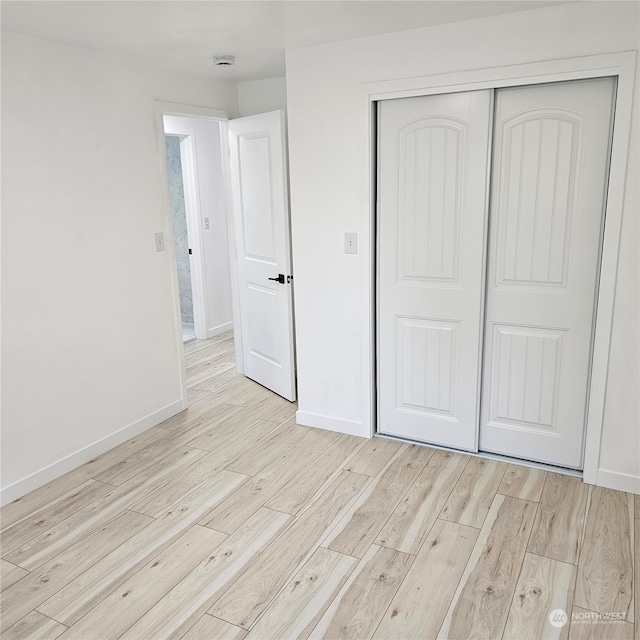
(221, 328)
(620, 481)
(74, 460)
(351, 427)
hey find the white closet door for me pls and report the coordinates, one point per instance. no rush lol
(432, 162)
(551, 146)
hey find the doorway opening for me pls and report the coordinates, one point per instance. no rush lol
(197, 187)
(235, 210)
(180, 235)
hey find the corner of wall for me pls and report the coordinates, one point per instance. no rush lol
(72, 461)
(260, 96)
(350, 427)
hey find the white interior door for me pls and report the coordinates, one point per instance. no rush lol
(551, 150)
(432, 181)
(261, 216)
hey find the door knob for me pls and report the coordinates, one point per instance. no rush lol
(281, 279)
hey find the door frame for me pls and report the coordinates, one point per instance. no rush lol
(621, 65)
(222, 117)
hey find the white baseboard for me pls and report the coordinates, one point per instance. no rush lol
(308, 419)
(74, 460)
(221, 328)
(620, 481)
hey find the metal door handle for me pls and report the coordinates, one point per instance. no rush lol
(281, 279)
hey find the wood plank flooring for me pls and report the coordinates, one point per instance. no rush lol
(230, 521)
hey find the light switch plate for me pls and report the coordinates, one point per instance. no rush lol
(159, 241)
(351, 243)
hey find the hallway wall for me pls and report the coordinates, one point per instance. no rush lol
(90, 353)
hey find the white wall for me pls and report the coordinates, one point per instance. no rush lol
(260, 96)
(210, 202)
(333, 289)
(90, 354)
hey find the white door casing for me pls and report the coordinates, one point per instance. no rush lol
(620, 65)
(261, 218)
(550, 169)
(432, 185)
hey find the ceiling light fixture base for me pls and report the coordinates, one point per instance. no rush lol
(224, 61)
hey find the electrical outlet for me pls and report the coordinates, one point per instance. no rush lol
(351, 243)
(159, 241)
(206, 223)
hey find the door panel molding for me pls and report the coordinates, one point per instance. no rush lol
(439, 263)
(555, 183)
(527, 398)
(437, 396)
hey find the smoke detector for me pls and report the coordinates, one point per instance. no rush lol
(224, 61)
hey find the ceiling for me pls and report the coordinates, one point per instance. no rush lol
(184, 35)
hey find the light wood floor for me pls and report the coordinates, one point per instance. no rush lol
(231, 521)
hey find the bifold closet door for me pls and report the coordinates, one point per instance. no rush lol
(432, 181)
(550, 167)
